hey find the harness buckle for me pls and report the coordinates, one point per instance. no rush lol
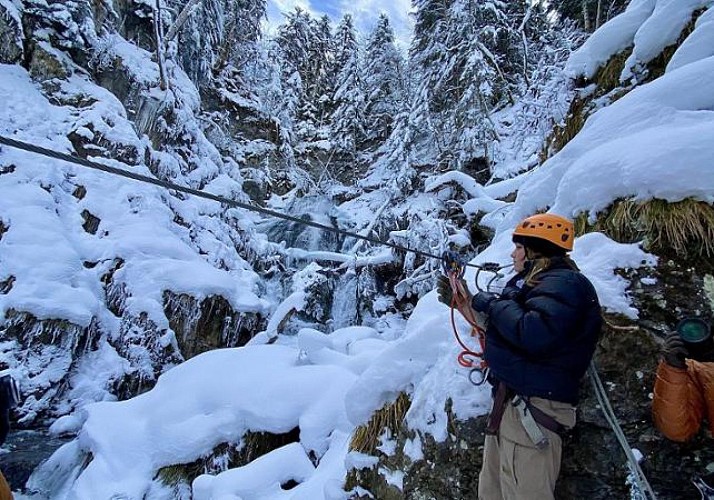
(529, 423)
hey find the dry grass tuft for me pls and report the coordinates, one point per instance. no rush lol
(563, 134)
(366, 437)
(685, 227)
(607, 77)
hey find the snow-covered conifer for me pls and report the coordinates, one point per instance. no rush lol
(384, 85)
(214, 34)
(322, 85)
(589, 14)
(347, 125)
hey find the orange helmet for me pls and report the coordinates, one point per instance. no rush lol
(553, 228)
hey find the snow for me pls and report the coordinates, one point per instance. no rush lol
(656, 130)
(656, 142)
(648, 27)
(597, 255)
(261, 479)
(395, 478)
(202, 403)
(467, 183)
(610, 39)
(413, 449)
(660, 30)
(11, 10)
(698, 45)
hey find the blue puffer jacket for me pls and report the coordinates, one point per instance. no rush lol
(540, 339)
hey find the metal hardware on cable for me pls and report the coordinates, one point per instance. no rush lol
(491, 267)
(452, 262)
(201, 194)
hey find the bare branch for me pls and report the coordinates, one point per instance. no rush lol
(188, 9)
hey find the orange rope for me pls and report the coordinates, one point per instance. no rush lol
(465, 357)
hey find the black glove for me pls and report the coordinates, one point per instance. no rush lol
(444, 291)
(674, 351)
(511, 293)
(482, 300)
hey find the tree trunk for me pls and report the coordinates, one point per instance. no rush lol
(181, 19)
(586, 16)
(159, 45)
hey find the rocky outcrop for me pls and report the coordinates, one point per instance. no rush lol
(209, 324)
(11, 50)
(594, 465)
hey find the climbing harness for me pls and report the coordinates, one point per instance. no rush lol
(640, 480)
(536, 435)
(202, 194)
(454, 267)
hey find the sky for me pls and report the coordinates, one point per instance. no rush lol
(364, 12)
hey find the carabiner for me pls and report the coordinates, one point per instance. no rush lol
(482, 376)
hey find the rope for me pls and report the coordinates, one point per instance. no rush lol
(467, 358)
(466, 352)
(202, 194)
(642, 484)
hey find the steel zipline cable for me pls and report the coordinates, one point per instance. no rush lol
(202, 194)
(640, 478)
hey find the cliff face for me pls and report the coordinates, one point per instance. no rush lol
(85, 76)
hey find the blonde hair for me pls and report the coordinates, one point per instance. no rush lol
(540, 264)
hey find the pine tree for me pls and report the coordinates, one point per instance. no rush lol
(294, 37)
(474, 80)
(428, 54)
(384, 85)
(242, 32)
(305, 46)
(470, 58)
(347, 125)
(322, 58)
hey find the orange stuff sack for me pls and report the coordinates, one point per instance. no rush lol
(703, 375)
(678, 404)
(5, 492)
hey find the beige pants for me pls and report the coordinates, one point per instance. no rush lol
(513, 468)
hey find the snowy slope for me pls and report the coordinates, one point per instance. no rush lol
(57, 270)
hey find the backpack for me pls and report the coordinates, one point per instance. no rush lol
(9, 391)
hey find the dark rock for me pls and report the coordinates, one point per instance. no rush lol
(210, 324)
(91, 222)
(11, 50)
(47, 63)
(27, 449)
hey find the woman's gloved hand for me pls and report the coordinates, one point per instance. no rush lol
(446, 293)
(482, 300)
(674, 351)
(511, 293)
